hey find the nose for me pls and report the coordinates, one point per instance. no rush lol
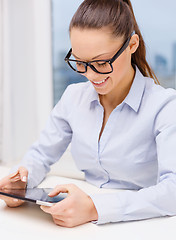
(90, 74)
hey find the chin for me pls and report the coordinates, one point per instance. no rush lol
(102, 91)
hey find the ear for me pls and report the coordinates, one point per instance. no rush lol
(134, 43)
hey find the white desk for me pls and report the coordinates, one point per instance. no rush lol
(30, 222)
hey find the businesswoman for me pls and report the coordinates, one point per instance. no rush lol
(121, 125)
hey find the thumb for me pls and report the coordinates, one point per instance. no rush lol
(66, 188)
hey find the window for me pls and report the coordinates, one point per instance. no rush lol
(157, 24)
(156, 20)
(62, 12)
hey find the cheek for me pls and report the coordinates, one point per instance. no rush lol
(121, 65)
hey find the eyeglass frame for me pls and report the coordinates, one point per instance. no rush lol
(88, 64)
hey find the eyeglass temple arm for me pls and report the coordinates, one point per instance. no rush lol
(115, 56)
(68, 54)
(125, 45)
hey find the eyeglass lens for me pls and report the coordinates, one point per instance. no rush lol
(100, 66)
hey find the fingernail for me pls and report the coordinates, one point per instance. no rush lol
(24, 179)
(15, 200)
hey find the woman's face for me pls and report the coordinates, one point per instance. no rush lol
(89, 45)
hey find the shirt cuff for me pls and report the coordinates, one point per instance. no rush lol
(109, 206)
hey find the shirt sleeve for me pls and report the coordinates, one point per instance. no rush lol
(52, 143)
(154, 201)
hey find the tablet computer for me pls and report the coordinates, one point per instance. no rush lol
(35, 195)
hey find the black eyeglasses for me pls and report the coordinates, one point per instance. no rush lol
(98, 66)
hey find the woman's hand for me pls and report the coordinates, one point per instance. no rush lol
(17, 180)
(77, 208)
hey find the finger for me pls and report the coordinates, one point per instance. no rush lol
(11, 202)
(59, 222)
(14, 203)
(8, 179)
(66, 188)
(58, 219)
(3, 182)
(63, 222)
(2, 197)
(15, 174)
(59, 208)
(14, 177)
(46, 209)
(55, 208)
(5, 198)
(23, 174)
(57, 190)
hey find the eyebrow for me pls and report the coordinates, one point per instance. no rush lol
(92, 58)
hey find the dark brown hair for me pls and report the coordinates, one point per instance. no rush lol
(118, 15)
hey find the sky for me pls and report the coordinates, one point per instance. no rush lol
(156, 19)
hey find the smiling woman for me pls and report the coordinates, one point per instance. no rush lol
(121, 125)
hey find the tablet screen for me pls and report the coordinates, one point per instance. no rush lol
(37, 195)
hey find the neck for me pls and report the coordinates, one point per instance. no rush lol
(117, 95)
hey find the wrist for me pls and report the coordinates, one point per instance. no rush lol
(93, 210)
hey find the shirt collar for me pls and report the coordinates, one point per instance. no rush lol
(134, 97)
(93, 95)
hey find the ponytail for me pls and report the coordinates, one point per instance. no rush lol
(119, 16)
(139, 57)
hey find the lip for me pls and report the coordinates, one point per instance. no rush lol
(100, 84)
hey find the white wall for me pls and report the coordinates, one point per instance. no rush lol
(27, 74)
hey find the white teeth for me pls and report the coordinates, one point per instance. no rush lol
(100, 82)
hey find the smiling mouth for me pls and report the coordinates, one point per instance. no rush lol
(98, 83)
